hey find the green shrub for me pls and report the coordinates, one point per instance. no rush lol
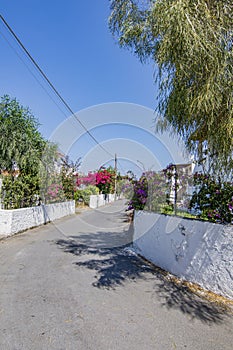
(20, 192)
(213, 199)
(83, 195)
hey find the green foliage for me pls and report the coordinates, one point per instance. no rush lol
(149, 192)
(57, 180)
(157, 191)
(125, 186)
(168, 209)
(191, 43)
(213, 199)
(49, 174)
(20, 192)
(21, 148)
(43, 175)
(21, 144)
(67, 176)
(84, 194)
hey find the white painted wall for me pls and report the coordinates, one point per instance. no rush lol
(199, 252)
(17, 220)
(97, 201)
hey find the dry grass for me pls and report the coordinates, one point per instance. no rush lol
(195, 288)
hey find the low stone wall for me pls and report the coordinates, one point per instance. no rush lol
(199, 252)
(97, 201)
(17, 220)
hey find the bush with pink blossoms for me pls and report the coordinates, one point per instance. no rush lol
(55, 193)
(102, 179)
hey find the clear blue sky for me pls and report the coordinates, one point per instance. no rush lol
(71, 42)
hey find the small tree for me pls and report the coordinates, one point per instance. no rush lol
(21, 148)
(68, 170)
(49, 173)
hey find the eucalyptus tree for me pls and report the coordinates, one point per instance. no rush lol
(191, 43)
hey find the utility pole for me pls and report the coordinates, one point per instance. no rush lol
(115, 187)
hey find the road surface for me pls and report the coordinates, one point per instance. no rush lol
(76, 284)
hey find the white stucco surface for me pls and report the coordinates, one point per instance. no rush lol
(199, 252)
(17, 220)
(97, 201)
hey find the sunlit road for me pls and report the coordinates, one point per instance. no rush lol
(76, 284)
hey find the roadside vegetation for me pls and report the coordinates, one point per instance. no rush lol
(166, 193)
(32, 170)
(190, 45)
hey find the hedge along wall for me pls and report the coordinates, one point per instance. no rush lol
(17, 220)
(199, 252)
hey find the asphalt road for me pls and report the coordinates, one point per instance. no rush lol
(76, 284)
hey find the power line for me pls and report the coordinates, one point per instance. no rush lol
(51, 85)
(34, 76)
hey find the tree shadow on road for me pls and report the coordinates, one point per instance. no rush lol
(108, 254)
(114, 262)
(191, 300)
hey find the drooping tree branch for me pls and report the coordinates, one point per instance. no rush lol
(192, 45)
